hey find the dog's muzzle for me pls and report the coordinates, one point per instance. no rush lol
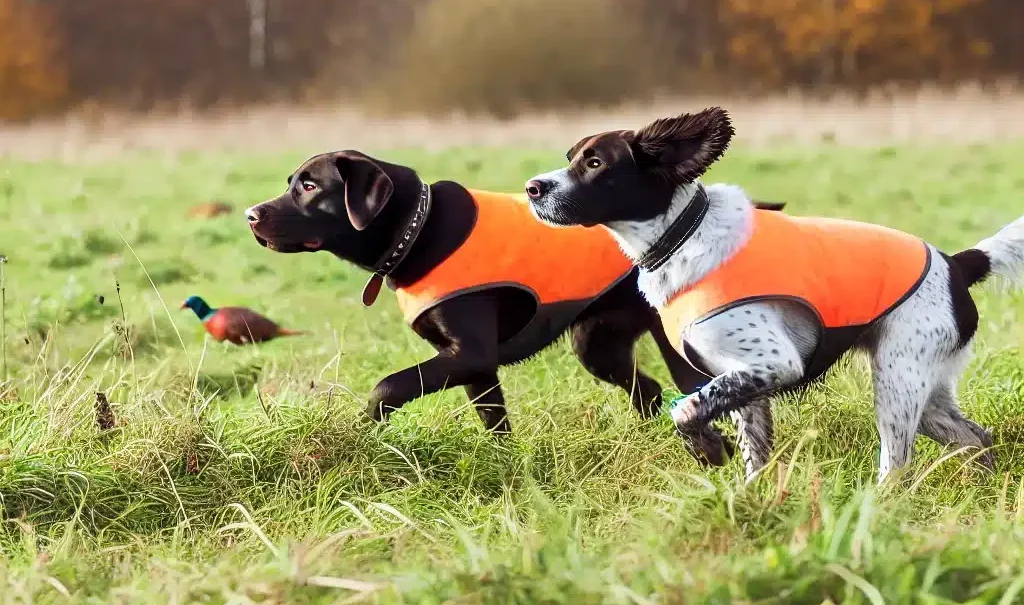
(262, 242)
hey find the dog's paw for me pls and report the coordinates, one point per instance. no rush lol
(366, 421)
(495, 421)
(705, 443)
(383, 401)
(684, 413)
(730, 448)
(709, 447)
(378, 411)
(987, 458)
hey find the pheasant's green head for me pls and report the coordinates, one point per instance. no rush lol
(202, 310)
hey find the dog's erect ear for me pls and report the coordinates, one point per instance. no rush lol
(625, 135)
(684, 147)
(367, 188)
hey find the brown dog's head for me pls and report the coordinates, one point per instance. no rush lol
(330, 203)
(628, 175)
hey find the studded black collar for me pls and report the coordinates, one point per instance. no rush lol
(400, 249)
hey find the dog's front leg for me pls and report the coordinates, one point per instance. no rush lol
(489, 401)
(744, 394)
(446, 370)
(756, 433)
(756, 349)
(464, 330)
(727, 393)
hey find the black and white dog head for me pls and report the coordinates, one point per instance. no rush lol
(628, 175)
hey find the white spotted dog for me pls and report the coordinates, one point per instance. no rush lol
(764, 303)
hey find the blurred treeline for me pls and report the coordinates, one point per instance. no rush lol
(494, 56)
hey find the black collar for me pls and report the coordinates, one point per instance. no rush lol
(400, 249)
(677, 233)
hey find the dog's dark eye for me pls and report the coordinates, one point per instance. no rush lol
(594, 163)
(308, 186)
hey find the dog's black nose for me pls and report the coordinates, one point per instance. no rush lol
(536, 188)
(252, 215)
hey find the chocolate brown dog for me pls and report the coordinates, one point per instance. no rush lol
(383, 218)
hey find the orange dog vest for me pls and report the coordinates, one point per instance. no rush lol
(508, 247)
(850, 274)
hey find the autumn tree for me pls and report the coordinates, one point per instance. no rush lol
(849, 42)
(33, 76)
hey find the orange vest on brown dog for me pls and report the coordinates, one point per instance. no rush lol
(850, 274)
(508, 247)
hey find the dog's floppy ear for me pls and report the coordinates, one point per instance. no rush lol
(625, 135)
(367, 188)
(684, 147)
(569, 155)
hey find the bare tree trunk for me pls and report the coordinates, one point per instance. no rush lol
(705, 47)
(849, 71)
(828, 55)
(257, 34)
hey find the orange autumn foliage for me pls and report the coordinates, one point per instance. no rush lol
(33, 76)
(821, 42)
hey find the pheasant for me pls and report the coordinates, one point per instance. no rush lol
(237, 325)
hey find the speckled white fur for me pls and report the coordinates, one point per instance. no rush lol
(915, 361)
(761, 347)
(725, 228)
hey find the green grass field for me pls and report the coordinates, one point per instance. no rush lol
(240, 475)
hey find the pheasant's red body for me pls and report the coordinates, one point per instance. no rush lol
(237, 325)
(241, 326)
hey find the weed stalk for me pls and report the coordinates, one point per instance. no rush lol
(124, 332)
(3, 319)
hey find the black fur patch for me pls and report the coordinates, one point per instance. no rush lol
(973, 264)
(963, 267)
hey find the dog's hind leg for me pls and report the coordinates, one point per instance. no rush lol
(901, 388)
(604, 345)
(914, 352)
(489, 402)
(943, 422)
(604, 336)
